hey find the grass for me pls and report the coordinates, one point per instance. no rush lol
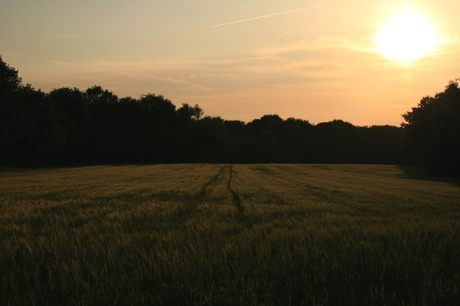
(210, 234)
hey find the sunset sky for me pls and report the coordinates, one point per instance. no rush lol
(362, 61)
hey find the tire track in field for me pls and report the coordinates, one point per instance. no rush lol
(185, 212)
(212, 180)
(235, 195)
(236, 199)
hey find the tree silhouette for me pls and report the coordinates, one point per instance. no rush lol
(11, 110)
(432, 131)
(68, 126)
(338, 142)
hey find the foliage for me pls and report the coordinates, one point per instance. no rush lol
(222, 234)
(11, 108)
(432, 131)
(68, 126)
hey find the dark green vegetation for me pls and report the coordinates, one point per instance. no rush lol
(215, 234)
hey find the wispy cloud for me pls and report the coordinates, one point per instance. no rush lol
(321, 61)
(61, 63)
(160, 70)
(265, 16)
(168, 79)
(282, 34)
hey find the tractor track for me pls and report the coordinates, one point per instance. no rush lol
(207, 187)
(235, 195)
(212, 180)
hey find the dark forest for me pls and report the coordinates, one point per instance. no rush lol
(69, 127)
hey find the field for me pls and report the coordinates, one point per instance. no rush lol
(213, 234)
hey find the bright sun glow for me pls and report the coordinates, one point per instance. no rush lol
(406, 37)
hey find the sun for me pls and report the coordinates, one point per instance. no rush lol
(407, 36)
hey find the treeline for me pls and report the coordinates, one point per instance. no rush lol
(68, 126)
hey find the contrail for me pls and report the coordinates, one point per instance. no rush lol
(60, 63)
(264, 16)
(281, 34)
(167, 79)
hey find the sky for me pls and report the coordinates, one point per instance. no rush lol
(316, 60)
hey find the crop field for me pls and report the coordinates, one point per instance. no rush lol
(214, 234)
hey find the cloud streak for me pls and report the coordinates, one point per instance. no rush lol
(282, 34)
(171, 80)
(264, 16)
(60, 63)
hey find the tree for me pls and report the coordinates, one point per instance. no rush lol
(296, 140)
(186, 112)
(71, 104)
(210, 140)
(11, 110)
(382, 144)
(338, 141)
(432, 131)
(266, 134)
(159, 119)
